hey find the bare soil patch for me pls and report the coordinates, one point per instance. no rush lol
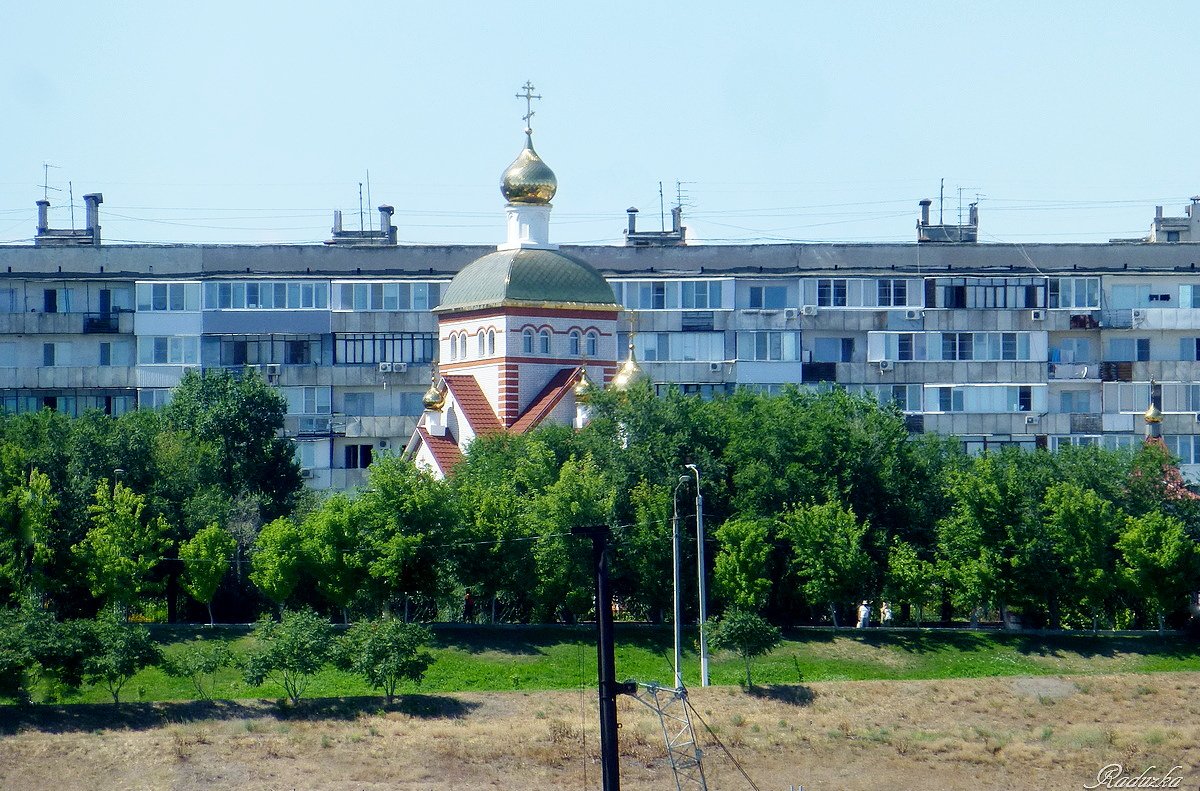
(996, 733)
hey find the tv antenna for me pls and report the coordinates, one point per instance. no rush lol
(45, 185)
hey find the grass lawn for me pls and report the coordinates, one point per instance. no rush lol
(502, 658)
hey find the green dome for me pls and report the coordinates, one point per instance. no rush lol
(527, 277)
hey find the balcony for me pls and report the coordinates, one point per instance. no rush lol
(1075, 371)
(101, 323)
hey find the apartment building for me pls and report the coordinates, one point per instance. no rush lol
(1038, 345)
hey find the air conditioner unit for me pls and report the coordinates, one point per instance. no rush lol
(306, 473)
(1037, 315)
(714, 368)
(383, 444)
(1032, 420)
(273, 369)
(886, 365)
(806, 356)
(385, 368)
(913, 315)
(808, 310)
(399, 368)
(1139, 315)
(1198, 417)
(790, 313)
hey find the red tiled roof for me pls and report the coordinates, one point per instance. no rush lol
(473, 403)
(546, 400)
(444, 449)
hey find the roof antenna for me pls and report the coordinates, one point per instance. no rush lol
(662, 212)
(369, 198)
(361, 227)
(941, 202)
(46, 181)
(71, 192)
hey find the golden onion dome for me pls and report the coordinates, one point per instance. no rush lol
(528, 179)
(630, 374)
(1153, 414)
(435, 397)
(584, 387)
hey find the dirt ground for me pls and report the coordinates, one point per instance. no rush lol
(997, 733)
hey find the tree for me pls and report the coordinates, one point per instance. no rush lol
(1082, 528)
(122, 546)
(199, 662)
(290, 652)
(117, 650)
(1159, 562)
(741, 572)
(242, 416)
(386, 652)
(277, 562)
(828, 553)
(747, 634)
(206, 559)
(909, 578)
(332, 546)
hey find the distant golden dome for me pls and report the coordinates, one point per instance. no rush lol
(435, 397)
(630, 374)
(1153, 414)
(584, 387)
(528, 179)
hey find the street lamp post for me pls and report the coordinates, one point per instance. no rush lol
(677, 584)
(700, 564)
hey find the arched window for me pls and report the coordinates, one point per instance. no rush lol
(453, 347)
(462, 345)
(544, 342)
(479, 342)
(527, 340)
(573, 340)
(491, 343)
(593, 341)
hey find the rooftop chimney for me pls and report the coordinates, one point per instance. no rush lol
(925, 204)
(92, 202)
(1158, 212)
(337, 221)
(676, 218)
(43, 216)
(973, 216)
(385, 223)
(632, 219)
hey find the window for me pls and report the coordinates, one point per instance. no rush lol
(573, 344)
(1072, 350)
(950, 399)
(700, 294)
(491, 342)
(462, 345)
(480, 342)
(48, 354)
(252, 295)
(368, 349)
(593, 342)
(307, 400)
(769, 346)
(358, 456)
(1074, 292)
(831, 292)
(168, 296)
(527, 341)
(769, 297)
(169, 350)
(833, 350)
(298, 352)
(1172, 236)
(892, 293)
(105, 353)
(1076, 402)
(453, 347)
(544, 342)
(50, 300)
(958, 346)
(306, 455)
(9, 303)
(1129, 349)
(359, 404)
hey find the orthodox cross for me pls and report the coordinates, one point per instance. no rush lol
(528, 95)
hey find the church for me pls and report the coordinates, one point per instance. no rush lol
(524, 333)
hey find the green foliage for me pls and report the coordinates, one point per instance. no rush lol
(122, 546)
(332, 547)
(386, 652)
(290, 651)
(199, 662)
(206, 559)
(828, 553)
(1082, 527)
(741, 572)
(278, 560)
(1159, 561)
(747, 634)
(910, 578)
(116, 651)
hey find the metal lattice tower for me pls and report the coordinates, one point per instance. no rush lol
(682, 750)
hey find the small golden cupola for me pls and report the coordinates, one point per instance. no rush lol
(528, 179)
(630, 373)
(435, 397)
(584, 387)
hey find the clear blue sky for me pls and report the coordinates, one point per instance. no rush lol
(253, 121)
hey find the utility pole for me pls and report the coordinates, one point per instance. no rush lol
(700, 563)
(610, 762)
(676, 555)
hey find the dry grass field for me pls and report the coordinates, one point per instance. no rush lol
(995, 733)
